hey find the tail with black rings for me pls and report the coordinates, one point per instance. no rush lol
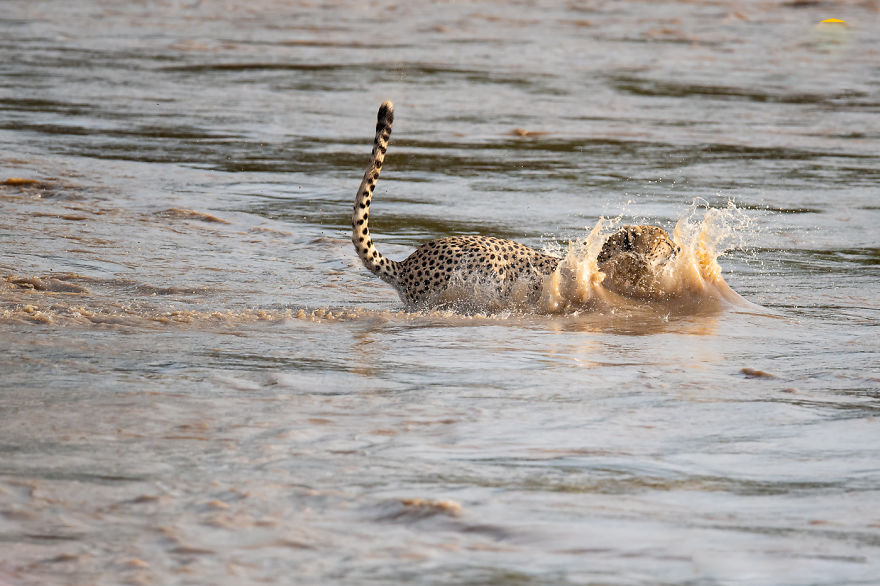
(384, 268)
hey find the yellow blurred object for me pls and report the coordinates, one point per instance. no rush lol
(20, 181)
(831, 36)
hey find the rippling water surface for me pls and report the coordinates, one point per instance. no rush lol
(199, 383)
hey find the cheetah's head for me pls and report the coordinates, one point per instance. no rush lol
(633, 257)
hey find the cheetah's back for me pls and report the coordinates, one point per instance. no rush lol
(432, 274)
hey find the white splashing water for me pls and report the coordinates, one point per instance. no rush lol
(692, 279)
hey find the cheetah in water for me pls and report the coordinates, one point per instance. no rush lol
(497, 265)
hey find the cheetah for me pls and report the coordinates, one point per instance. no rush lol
(496, 265)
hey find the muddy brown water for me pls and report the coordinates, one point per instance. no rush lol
(199, 383)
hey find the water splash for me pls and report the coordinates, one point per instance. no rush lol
(692, 279)
(577, 281)
(705, 234)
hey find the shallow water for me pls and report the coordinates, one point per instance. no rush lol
(200, 383)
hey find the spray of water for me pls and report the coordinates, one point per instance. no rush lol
(692, 279)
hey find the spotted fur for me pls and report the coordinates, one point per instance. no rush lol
(494, 264)
(633, 258)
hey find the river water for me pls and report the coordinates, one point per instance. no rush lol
(200, 384)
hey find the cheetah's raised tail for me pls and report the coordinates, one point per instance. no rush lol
(385, 268)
